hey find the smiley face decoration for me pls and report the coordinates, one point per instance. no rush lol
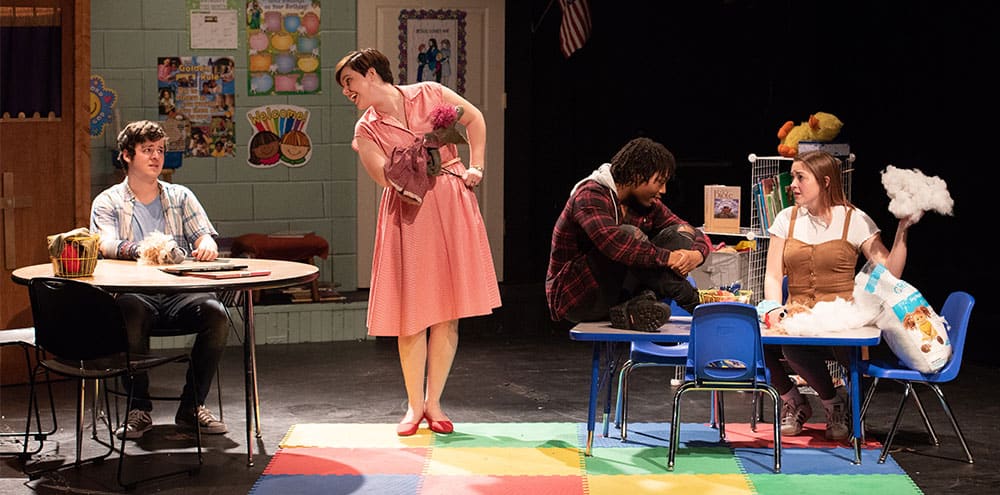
(102, 102)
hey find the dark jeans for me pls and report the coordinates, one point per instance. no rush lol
(809, 362)
(200, 313)
(619, 282)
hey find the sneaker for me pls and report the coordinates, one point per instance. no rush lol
(793, 416)
(643, 313)
(836, 419)
(207, 422)
(137, 423)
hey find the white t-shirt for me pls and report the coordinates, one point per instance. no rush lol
(811, 230)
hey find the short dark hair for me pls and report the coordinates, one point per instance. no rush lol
(362, 60)
(639, 160)
(136, 133)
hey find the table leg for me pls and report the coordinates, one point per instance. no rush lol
(80, 407)
(857, 436)
(612, 368)
(594, 380)
(248, 370)
(253, 377)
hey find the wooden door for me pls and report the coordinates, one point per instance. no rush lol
(44, 157)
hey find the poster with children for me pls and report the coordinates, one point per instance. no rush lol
(283, 47)
(280, 136)
(432, 47)
(196, 100)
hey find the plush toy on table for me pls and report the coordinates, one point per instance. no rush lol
(821, 126)
(771, 315)
(159, 249)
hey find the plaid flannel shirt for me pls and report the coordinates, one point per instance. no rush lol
(112, 210)
(589, 222)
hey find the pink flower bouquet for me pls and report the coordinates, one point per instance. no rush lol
(443, 119)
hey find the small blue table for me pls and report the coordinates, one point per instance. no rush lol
(678, 329)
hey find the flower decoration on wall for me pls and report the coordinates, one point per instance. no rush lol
(102, 102)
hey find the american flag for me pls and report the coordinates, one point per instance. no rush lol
(575, 27)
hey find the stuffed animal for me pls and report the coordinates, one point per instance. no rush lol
(773, 319)
(159, 249)
(821, 126)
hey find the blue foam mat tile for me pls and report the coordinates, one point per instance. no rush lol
(653, 435)
(283, 484)
(815, 461)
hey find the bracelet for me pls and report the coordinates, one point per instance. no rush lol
(477, 167)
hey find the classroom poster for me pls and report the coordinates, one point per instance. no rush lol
(196, 101)
(283, 47)
(432, 47)
(280, 136)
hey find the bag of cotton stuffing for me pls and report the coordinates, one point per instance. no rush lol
(914, 331)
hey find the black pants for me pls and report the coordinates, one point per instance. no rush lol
(619, 282)
(201, 313)
(809, 362)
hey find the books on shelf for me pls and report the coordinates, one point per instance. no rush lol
(722, 209)
(771, 195)
(784, 190)
(304, 294)
(758, 198)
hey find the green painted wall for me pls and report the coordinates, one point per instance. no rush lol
(127, 36)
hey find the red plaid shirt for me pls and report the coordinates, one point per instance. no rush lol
(588, 222)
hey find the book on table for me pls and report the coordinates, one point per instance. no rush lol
(202, 267)
(230, 274)
(722, 209)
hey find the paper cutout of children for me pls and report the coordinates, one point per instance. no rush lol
(295, 147)
(265, 148)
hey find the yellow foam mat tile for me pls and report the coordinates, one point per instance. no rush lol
(352, 435)
(505, 461)
(674, 484)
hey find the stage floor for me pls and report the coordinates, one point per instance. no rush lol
(510, 367)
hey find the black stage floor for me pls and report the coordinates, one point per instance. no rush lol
(512, 366)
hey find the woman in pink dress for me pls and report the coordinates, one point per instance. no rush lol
(432, 263)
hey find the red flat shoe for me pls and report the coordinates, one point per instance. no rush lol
(408, 429)
(440, 426)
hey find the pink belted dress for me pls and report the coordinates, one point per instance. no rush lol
(432, 262)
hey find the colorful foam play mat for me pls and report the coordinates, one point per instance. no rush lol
(548, 458)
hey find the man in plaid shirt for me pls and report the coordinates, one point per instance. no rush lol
(124, 215)
(603, 264)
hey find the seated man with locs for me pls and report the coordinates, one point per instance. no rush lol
(617, 250)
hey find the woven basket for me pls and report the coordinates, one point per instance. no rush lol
(78, 257)
(715, 295)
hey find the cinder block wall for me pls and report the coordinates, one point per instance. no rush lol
(127, 36)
